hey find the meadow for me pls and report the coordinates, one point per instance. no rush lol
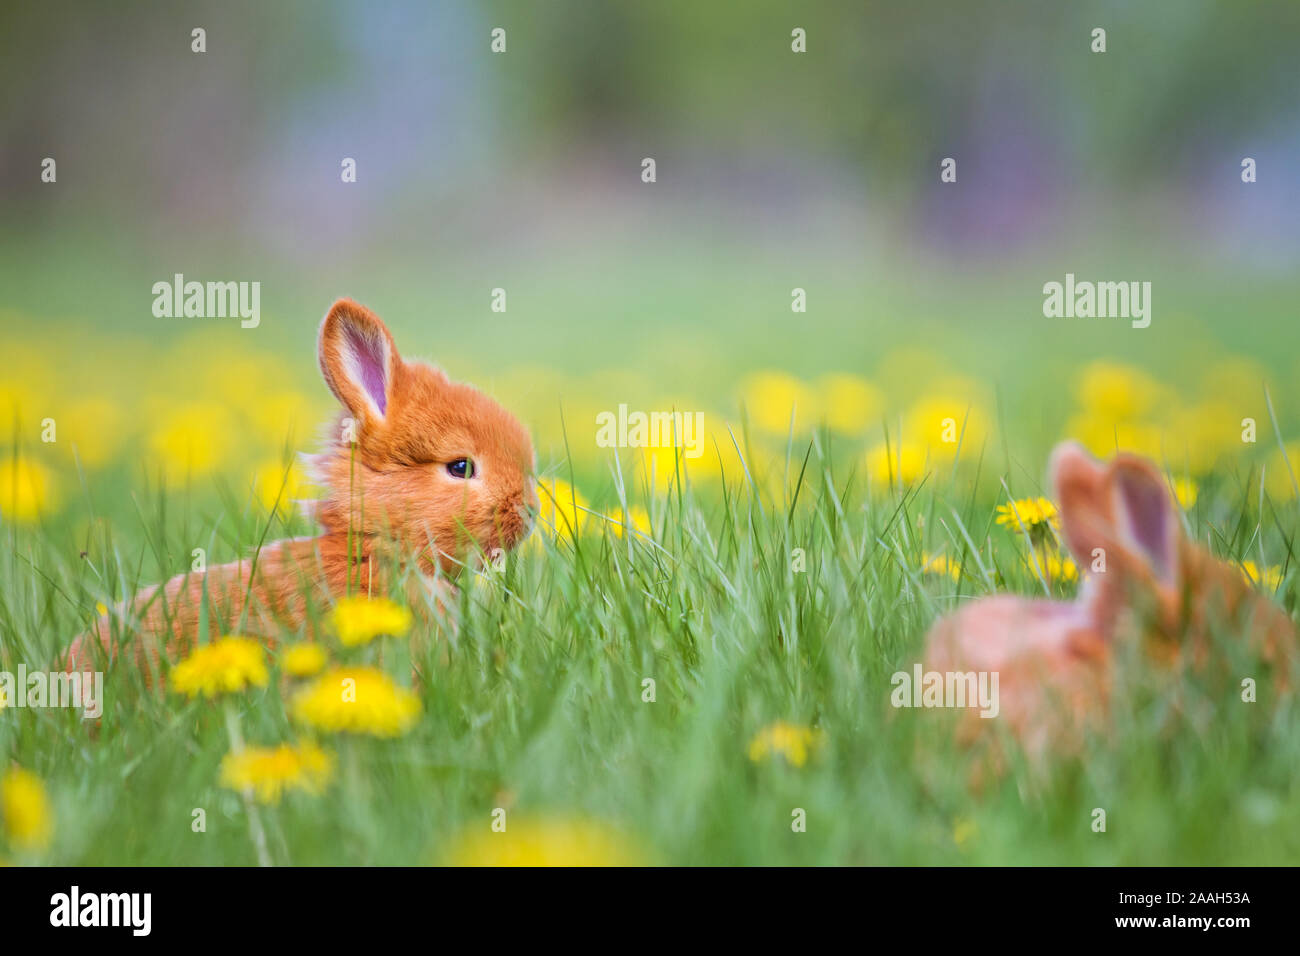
(768, 589)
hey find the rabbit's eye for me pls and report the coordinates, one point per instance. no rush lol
(461, 468)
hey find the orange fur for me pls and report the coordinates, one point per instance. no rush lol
(388, 497)
(1056, 660)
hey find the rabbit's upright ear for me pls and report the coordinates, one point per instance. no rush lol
(1086, 511)
(1146, 523)
(1121, 513)
(358, 359)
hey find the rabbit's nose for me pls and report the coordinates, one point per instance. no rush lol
(514, 516)
(521, 503)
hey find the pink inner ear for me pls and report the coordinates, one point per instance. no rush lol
(1148, 515)
(371, 364)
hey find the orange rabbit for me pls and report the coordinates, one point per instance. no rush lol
(1055, 660)
(420, 471)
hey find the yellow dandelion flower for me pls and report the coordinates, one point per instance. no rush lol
(1031, 513)
(1202, 433)
(1185, 492)
(1103, 437)
(30, 376)
(718, 457)
(282, 418)
(661, 467)
(283, 481)
(636, 517)
(359, 620)
(1282, 464)
(562, 842)
(794, 742)
(1269, 578)
(20, 397)
(357, 700)
(1055, 567)
(225, 666)
(949, 422)
(940, 564)
(896, 463)
(227, 365)
(851, 404)
(1115, 392)
(303, 660)
(269, 771)
(662, 464)
(27, 489)
(1062, 568)
(772, 397)
(25, 809)
(192, 440)
(562, 509)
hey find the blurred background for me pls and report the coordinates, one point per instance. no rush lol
(775, 170)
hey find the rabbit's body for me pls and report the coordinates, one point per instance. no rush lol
(275, 594)
(1050, 663)
(421, 474)
(1144, 582)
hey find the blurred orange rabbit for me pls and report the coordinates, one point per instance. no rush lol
(1143, 581)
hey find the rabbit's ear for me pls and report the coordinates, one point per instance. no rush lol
(358, 359)
(1144, 516)
(1121, 513)
(1087, 518)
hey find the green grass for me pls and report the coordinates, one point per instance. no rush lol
(536, 703)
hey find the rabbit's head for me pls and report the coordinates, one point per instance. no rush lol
(1142, 573)
(434, 464)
